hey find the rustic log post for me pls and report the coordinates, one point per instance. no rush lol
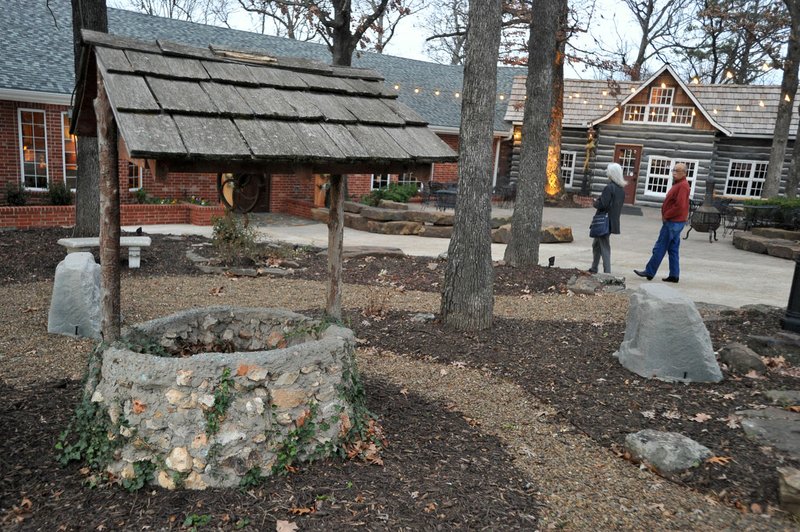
(335, 243)
(109, 214)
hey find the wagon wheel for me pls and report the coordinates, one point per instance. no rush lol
(239, 192)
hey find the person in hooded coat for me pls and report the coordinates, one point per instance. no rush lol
(610, 201)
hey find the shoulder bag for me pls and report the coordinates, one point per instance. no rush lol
(599, 226)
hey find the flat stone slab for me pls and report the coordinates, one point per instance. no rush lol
(774, 232)
(351, 252)
(783, 397)
(668, 452)
(773, 426)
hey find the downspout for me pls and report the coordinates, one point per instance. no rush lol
(497, 155)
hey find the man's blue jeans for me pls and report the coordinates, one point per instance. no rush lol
(669, 241)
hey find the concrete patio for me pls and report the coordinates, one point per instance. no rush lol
(712, 273)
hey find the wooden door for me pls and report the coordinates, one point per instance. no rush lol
(629, 157)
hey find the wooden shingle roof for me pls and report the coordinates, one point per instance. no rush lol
(181, 104)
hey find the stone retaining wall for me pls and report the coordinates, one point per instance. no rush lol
(210, 419)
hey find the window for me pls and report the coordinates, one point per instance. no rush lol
(33, 146)
(659, 175)
(745, 178)
(659, 110)
(69, 154)
(567, 167)
(380, 181)
(408, 179)
(134, 177)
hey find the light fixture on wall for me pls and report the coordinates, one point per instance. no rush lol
(517, 134)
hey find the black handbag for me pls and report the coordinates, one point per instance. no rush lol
(599, 226)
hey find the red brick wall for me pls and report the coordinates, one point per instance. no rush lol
(447, 172)
(57, 216)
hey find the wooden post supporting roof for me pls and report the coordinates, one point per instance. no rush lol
(109, 214)
(335, 247)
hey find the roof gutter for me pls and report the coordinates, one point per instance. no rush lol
(447, 130)
(35, 96)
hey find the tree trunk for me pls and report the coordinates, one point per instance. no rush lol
(554, 184)
(780, 136)
(333, 305)
(467, 298)
(88, 14)
(109, 213)
(523, 249)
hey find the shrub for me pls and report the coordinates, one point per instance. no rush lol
(140, 195)
(59, 193)
(233, 238)
(787, 213)
(15, 195)
(394, 192)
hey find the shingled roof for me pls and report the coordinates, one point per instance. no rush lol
(180, 104)
(741, 110)
(37, 56)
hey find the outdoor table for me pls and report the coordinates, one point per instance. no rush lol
(446, 199)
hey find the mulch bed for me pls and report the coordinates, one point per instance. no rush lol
(435, 456)
(439, 472)
(569, 365)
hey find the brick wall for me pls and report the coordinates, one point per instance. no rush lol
(447, 172)
(58, 216)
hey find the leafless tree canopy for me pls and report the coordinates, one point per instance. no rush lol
(447, 24)
(203, 11)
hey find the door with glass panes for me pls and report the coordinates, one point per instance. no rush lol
(628, 156)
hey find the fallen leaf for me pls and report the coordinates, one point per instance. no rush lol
(793, 408)
(459, 364)
(404, 391)
(526, 297)
(301, 510)
(732, 421)
(242, 370)
(729, 396)
(649, 414)
(720, 460)
(31, 309)
(431, 507)
(753, 374)
(472, 422)
(756, 508)
(285, 526)
(774, 362)
(442, 372)
(700, 418)
(218, 291)
(671, 414)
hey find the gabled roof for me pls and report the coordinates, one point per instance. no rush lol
(180, 104)
(37, 56)
(681, 84)
(740, 110)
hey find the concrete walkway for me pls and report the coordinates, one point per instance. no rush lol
(712, 273)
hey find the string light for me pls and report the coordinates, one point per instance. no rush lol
(787, 98)
(729, 74)
(502, 97)
(605, 93)
(765, 66)
(761, 103)
(416, 90)
(457, 95)
(396, 87)
(715, 111)
(695, 80)
(437, 92)
(738, 108)
(633, 89)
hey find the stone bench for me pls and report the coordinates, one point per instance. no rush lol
(133, 243)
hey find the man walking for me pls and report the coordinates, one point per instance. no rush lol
(674, 213)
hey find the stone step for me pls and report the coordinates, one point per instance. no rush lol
(776, 247)
(774, 232)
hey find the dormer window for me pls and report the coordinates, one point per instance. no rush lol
(659, 109)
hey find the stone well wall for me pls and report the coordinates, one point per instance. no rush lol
(285, 371)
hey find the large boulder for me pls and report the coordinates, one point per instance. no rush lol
(396, 205)
(383, 215)
(553, 234)
(502, 235)
(353, 206)
(356, 221)
(394, 228)
(430, 217)
(751, 243)
(668, 452)
(320, 214)
(666, 338)
(75, 304)
(436, 231)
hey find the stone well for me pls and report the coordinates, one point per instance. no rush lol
(279, 371)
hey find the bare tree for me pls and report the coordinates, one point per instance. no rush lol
(91, 15)
(290, 21)
(733, 40)
(343, 25)
(467, 297)
(780, 136)
(523, 249)
(447, 26)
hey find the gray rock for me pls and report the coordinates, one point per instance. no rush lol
(423, 317)
(383, 215)
(773, 426)
(584, 284)
(783, 397)
(782, 343)
(436, 231)
(395, 205)
(789, 489)
(75, 304)
(666, 338)
(351, 252)
(668, 452)
(741, 359)
(610, 282)
(352, 206)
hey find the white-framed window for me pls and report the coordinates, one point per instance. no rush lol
(134, 177)
(69, 153)
(33, 148)
(659, 175)
(379, 181)
(408, 178)
(659, 110)
(746, 178)
(567, 167)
